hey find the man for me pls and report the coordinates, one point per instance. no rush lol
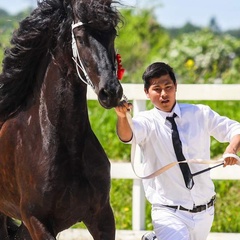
(182, 205)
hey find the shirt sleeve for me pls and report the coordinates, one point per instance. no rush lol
(220, 127)
(141, 127)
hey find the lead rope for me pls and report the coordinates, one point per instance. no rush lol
(76, 58)
(120, 73)
(220, 162)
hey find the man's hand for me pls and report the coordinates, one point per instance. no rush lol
(230, 159)
(123, 108)
(230, 155)
(124, 130)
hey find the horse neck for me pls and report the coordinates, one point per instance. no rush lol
(63, 102)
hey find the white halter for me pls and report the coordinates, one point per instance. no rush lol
(76, 58)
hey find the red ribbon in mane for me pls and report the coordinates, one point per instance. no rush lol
(120, 69)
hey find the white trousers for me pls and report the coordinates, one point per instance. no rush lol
(172, 224)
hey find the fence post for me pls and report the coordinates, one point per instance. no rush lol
(138, 199)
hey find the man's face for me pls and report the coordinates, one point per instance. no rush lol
(162, 93)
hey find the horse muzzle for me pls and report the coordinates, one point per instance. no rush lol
(110, 97)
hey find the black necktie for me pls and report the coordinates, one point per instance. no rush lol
(177, 145)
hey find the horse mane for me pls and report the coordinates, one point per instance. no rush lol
(45, 33)
(99, 15)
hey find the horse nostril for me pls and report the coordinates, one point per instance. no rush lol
(103, 95)
(110, 98)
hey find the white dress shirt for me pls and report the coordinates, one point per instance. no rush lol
(196, 123)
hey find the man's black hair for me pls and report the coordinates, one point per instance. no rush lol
(156, 70)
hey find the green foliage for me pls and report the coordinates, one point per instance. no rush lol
(231, 75)
(203, 57)
(227, 217)
(235, 33)
(187, 28)
(8, 23)
(197, 55)
(139, 39)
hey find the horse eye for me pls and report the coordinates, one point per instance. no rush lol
(80, 40)
(80, 35)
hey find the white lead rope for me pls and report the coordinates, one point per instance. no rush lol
(190, 161)
(170, 165)
(76, 58)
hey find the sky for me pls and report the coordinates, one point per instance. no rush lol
(170, 13)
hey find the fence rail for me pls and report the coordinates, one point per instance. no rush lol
(135, 92)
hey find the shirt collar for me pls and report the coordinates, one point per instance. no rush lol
(176, 109)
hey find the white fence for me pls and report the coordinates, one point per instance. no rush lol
(185, 92)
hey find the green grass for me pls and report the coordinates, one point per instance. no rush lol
(227, 217)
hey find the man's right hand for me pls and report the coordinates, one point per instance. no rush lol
(124, 130)
(122, 109)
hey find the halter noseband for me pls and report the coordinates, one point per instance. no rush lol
(76, 58)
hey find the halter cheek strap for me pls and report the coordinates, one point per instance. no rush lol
(76, 58)
(74, 44)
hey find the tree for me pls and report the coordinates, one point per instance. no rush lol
(203, 57)
(213, 25)
(187, 28)
(7, 25)
(139, 41)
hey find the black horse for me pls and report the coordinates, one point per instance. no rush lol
(53, 170)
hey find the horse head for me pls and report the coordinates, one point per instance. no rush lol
(93, 35)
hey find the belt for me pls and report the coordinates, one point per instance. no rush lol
(196, 209)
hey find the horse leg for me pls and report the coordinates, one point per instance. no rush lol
(1, 123)
(8, 227)
(12, 227)
(37, 230)
(3, 227)
(102, 225)
(21, 234)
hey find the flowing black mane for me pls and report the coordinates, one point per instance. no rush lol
(44, 33)
(99, 16)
